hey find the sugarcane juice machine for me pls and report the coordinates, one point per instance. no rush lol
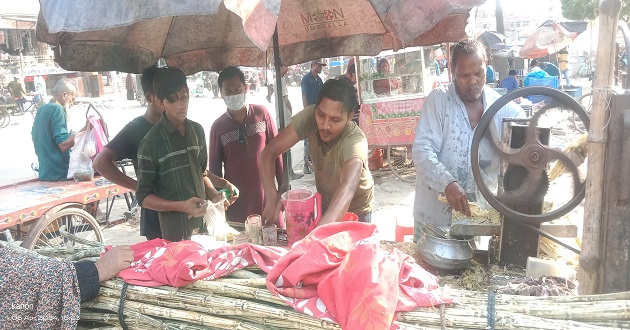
(524, 157)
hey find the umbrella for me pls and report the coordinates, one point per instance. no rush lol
(196, 35)
(492, 40)
(550, 38)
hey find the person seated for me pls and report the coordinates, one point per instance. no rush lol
(386, 85)
(550, 68)
(510, 82)
(46, 293)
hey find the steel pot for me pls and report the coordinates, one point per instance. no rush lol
(445, 253)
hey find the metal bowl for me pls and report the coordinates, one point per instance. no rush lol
(445, 253)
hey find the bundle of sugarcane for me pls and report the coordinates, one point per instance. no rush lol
(243, 302)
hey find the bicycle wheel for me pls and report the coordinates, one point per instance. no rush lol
(45, 233)
(5, 118)
(400, 162)
(586, 101)
(34, 111)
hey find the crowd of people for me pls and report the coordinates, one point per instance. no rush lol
(179, 171)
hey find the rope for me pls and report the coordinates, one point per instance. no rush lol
(442, 317)
(121, 319)
(491, 320)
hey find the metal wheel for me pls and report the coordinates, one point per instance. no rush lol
(400, 162)
(532, 158)
(45, 233)
(586, 101)
(5, 118)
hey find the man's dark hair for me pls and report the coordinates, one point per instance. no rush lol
(467, 46)
(512, 73)
(168, 82)
(146, 80)
(229, 73)
(533, 63)
(340, 90)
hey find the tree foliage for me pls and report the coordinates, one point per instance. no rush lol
(587, 9)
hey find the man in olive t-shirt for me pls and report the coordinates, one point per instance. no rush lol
(338, 149)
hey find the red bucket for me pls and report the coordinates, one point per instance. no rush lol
(349, 216)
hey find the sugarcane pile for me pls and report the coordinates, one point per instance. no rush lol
(242, 301)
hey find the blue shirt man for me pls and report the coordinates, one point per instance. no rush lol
(510, 82)
(489, 74)
(50, 135)
(311, 85)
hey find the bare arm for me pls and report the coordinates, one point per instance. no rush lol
(287, 103)
(104, 164)
(281, 143)
(350, 176)
(67, 144)
(190, 206)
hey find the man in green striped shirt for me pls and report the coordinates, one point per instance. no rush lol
(172, 162)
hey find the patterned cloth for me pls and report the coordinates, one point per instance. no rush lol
(37, 293)
(339, 273)
(160, 262)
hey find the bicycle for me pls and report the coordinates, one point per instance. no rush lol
(5, 118)
(33, 106)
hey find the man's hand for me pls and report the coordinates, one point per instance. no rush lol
(113, 261)
(220, 197)
(234, 192)
(456, 197)
(272, 209)
(195, 207)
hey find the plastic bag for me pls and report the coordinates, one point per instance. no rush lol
(75, 153)
(90, 144)
(84, 172)
(216, 224)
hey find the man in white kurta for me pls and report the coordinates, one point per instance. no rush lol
(443, 142)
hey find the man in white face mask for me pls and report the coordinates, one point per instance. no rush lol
(236, 140)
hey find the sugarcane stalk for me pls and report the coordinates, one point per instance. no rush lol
(180, 315)
(236, 291)
(245, 274)
(133, 317)
(218, 303)
(256, 282)
(77, 239)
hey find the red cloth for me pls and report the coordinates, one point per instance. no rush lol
(339, 273)
(160, 262)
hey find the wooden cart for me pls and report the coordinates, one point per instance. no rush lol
(35, 210)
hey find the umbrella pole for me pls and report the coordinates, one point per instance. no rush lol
(590, 258)
(286, 157)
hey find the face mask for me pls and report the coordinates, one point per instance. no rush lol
(235, 102)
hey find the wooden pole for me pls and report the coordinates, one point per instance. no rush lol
(590, 258)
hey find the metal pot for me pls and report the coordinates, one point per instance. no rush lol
(443, 253)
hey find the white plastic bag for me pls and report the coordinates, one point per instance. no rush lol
(85, 171)
(90, 144)
(215, 222)
(75, 153)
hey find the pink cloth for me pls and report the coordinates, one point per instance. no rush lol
(336, 273)
(339, 273)
(99, 133)
(160, 262)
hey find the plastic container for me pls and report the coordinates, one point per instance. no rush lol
(302, 211)
(349, 216)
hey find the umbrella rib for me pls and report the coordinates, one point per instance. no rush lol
(170, 26)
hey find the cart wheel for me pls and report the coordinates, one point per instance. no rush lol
(400, 162)
(45, 233)
(5, 118)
